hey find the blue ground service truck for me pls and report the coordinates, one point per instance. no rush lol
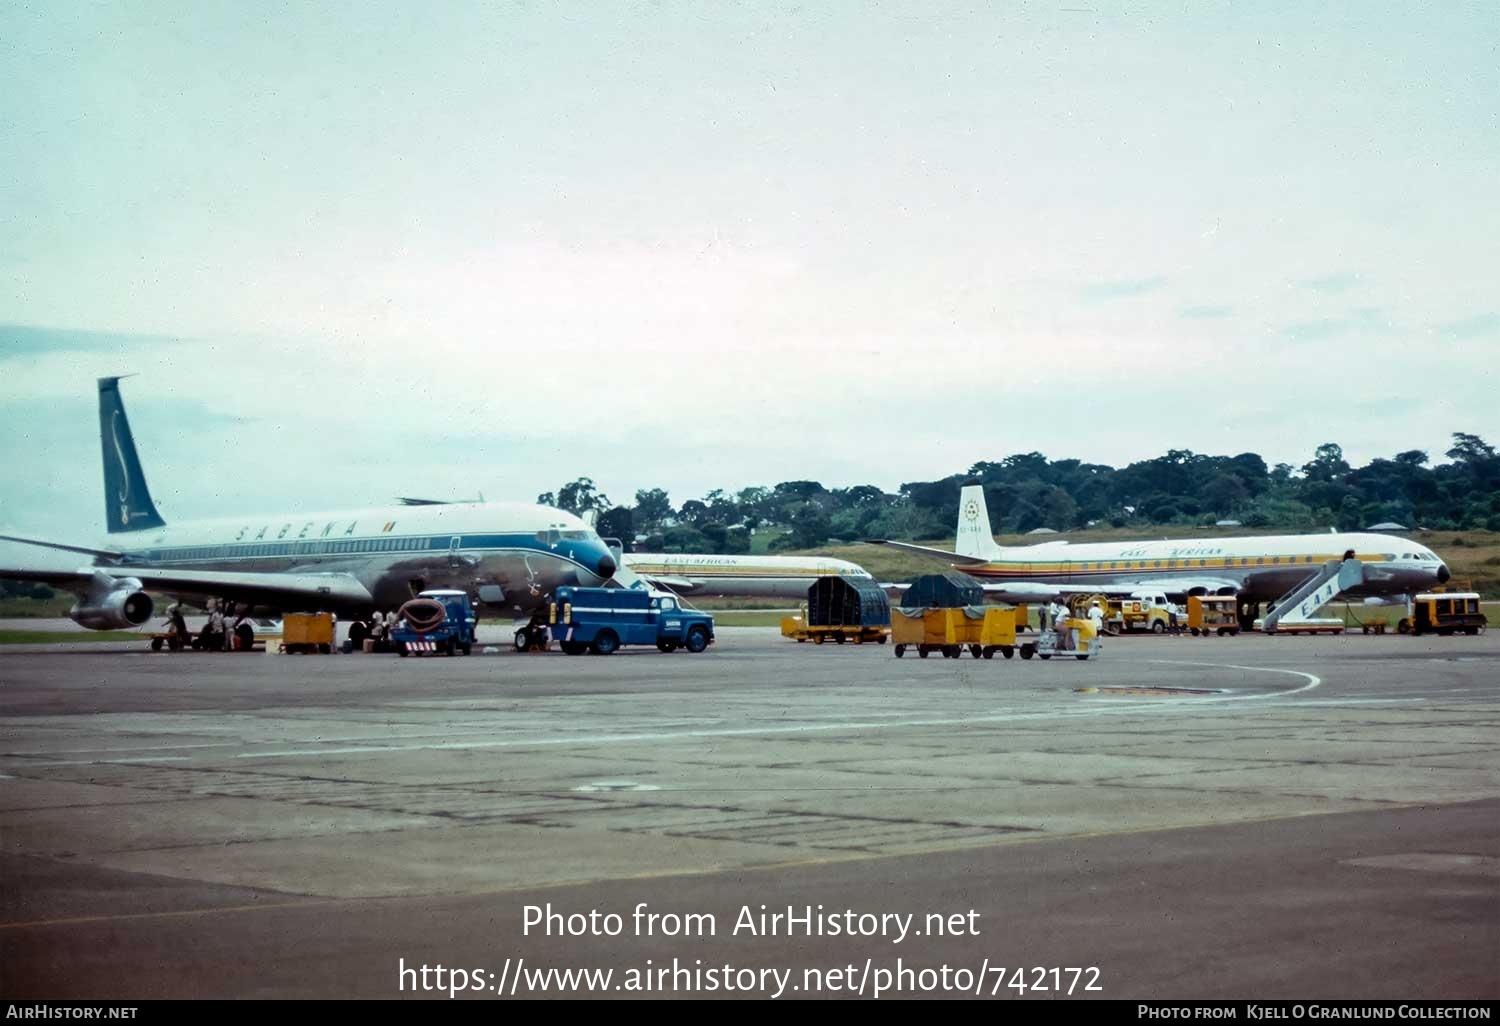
(435, 621)
(600, 620)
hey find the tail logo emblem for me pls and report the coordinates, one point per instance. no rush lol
(114, 431)
(971, 511)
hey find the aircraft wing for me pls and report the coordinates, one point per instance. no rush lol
(81, 549)
(1170, 585)
(943, 554)
(677, 584)
(1014, 592)
(287, 591)
(1025, 592)
(1037, 591)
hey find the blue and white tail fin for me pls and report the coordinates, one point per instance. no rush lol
(127, 500)
(973, 536)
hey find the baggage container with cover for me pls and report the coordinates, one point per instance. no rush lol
(842, 608)
(950, 590)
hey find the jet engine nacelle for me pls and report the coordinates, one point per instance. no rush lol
(1386, 600)
(122, 605)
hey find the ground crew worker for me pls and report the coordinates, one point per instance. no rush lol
(1059, 614)
(213, 632)
(1096, 617)
(179, 625)
(1060, 625)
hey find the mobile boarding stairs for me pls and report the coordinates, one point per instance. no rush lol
(1296, 608)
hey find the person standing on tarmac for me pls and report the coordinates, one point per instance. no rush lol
(213, 632)
(1096, 618)
(179, 625)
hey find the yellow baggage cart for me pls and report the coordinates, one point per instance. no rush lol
(1212, 614)
(307, 632)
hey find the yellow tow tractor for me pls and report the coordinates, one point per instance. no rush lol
(1212, 614)
(1074, 637)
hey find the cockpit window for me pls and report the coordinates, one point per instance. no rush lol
(575, 535)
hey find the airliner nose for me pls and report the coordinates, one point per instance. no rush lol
(1443, 573)
(606, 566)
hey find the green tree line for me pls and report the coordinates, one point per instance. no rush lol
(1027, 491)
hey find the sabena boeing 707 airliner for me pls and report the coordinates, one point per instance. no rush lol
(508, 556)
(1256, 568)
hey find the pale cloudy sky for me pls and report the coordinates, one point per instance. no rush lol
(362, 250)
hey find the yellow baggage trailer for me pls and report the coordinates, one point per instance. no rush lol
(797, 628)
(841, 609)
(932, 630)
(1212, 614)
(307, 632)
(949, 631)
(999, 634)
